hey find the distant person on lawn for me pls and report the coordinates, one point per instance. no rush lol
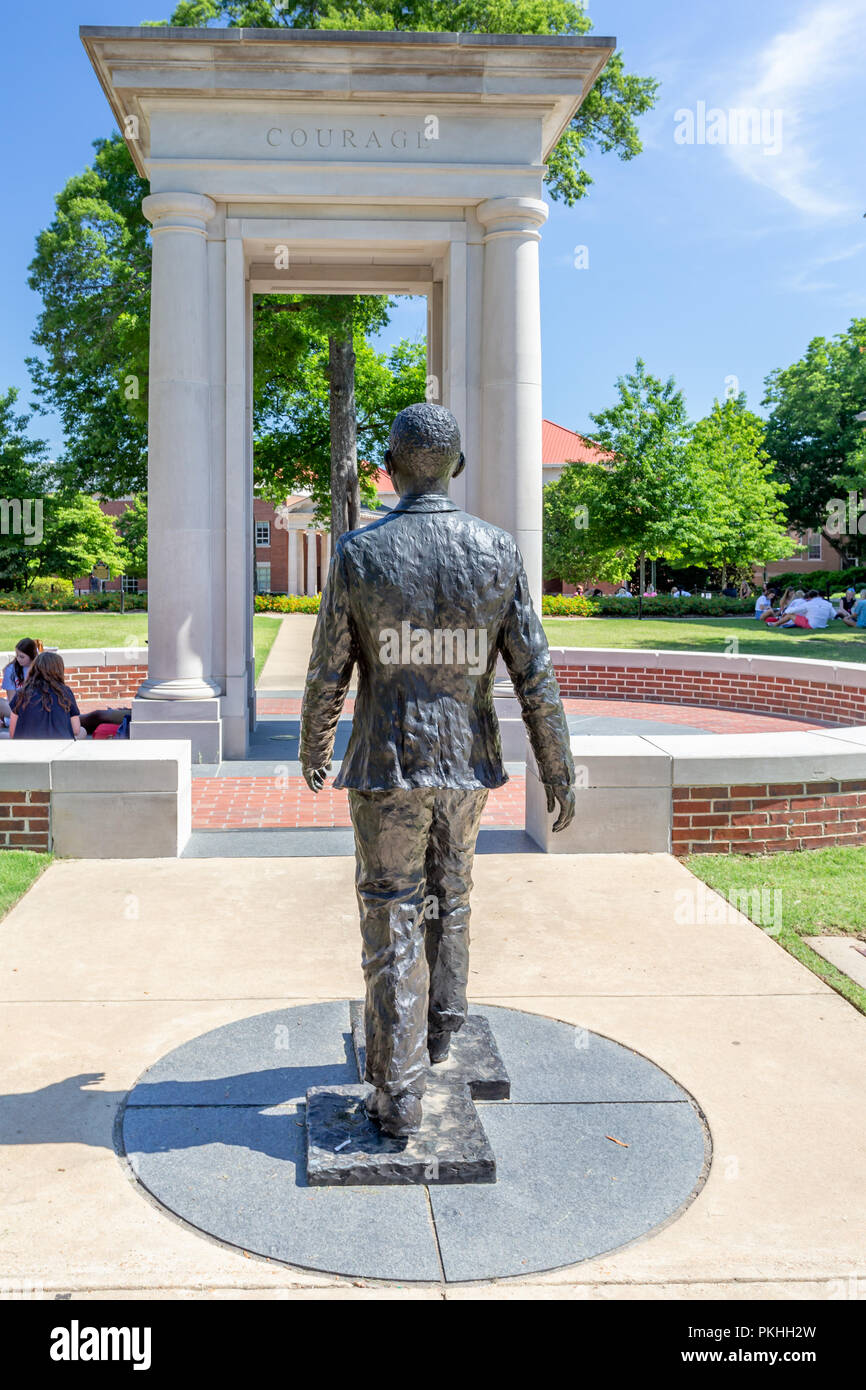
(815, 612)
(776, 614)
(15, 674)
(763, 604)
(45, 707)
(857, 615)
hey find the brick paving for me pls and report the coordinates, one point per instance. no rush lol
(285, 802)
(715, 721)
(267, 803)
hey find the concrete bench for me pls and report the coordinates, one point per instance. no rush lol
(717, 794)
(86, 800)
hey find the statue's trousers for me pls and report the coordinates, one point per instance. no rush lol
(414, 851)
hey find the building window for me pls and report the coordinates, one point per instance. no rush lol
(815, 545)
(263, 579)
(129, 583)
(263, 533)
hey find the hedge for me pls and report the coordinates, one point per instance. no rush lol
(287, 603)
(74, 603)
(665, 606)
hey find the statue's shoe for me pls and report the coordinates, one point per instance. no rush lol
(398, 1116)
(371, 1104)
(438, 1045)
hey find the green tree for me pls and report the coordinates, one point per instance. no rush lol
(132, 528)
(44, 533)
(605, 122)
(574, 549)
(92, 270)
(817, 445)
(742, 515)
(647, 503)
(293, 450)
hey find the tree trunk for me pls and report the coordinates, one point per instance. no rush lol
(345, 492)
(642, 584)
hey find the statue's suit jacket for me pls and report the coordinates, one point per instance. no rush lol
(426, 567)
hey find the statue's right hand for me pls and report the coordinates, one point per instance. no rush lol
(563, 797)
(315, 777)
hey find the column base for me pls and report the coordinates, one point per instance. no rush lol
(182, 688)
(196, 720)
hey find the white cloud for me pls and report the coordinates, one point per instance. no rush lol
(808, 73)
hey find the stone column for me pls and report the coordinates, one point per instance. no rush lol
(511, 375)
(294, 561)
(312, 587)
(179, 463)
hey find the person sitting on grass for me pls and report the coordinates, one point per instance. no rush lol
(90, 722)
(857, 615)
(45, 707)
(776, 613)
(816, 612)
(846, 603)
(763, 603)
(15, 674)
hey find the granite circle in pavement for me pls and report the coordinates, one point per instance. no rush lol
(215, 1132)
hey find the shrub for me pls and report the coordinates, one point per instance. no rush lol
(75, 603)
(665, 606)
(287, 603)
(568, 605)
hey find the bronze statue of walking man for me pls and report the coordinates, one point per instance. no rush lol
(423, 601)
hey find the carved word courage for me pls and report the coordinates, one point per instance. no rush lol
(351, 138)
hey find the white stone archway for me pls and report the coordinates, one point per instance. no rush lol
(283, 160)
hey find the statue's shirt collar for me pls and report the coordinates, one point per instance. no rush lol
(426, 502)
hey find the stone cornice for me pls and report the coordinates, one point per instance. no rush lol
(137, 66)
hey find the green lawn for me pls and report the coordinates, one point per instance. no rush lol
(18, 869)
(74, 629)
(837, 643)
(822, 892)
(106, 630)
(265, 630)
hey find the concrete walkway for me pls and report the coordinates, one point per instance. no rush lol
(106, 968)
(286, 664)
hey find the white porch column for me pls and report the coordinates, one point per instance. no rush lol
(179, 465)
(294, 561)
(326, 556)
(511, 375)
(312, 587)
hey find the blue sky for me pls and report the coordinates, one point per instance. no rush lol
(711, 260)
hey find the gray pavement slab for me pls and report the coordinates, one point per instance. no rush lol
(239, 1173)
(589, 1192)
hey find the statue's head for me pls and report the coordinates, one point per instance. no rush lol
(423, 451)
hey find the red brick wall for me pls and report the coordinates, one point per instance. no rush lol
(277, 553)
(113, 684)
(25, 820)
(764, 819)
(781, 695)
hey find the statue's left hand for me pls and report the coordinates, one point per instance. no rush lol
(564, 798)
(315, 777)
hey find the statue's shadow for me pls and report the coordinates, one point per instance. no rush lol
(261, 1110)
